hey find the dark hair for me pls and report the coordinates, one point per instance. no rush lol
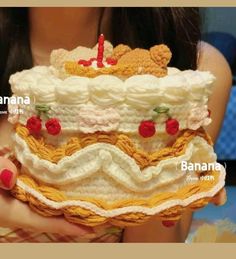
(179, 28)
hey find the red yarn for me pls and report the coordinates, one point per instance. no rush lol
(111, 61)
(147, 129)
(34, 125)
(53, 126)
(172, 126)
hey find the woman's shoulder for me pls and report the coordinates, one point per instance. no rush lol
(212, 59)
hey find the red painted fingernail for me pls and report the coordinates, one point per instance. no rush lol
(5, 177)
(168, 223)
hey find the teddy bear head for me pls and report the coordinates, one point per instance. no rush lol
(143, 61)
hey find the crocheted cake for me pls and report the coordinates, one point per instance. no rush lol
(105, 134)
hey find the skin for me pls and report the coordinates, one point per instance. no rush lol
(68, 28)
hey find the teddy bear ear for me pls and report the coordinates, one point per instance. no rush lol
(161, 55)
(57, 57)
(120, 50)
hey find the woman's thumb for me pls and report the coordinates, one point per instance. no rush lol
(8, 173)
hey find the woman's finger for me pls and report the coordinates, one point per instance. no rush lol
(8, 173)
(17, 214)
(61, 226)
(220, 198)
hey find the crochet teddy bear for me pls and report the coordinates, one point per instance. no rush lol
(121, 61)
(153, 61)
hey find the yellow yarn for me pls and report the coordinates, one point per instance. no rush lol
(80, 215)
(153, 61)
(129, 62)
(123, 142)
(73, 68)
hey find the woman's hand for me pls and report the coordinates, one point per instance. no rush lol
(220, 198)
(15, 214)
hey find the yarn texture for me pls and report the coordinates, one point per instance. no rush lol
(105, 133)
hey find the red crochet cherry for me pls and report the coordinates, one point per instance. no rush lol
(147, 129)
(168, 223)
(172, 126)
(53, 126)
(34, 124)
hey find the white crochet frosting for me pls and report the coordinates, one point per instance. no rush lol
(115, 165)
(119, 211)
(139, 91)
(133, 99)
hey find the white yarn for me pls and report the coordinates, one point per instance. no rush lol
(140, 91)
(113, 162)
(119, 211)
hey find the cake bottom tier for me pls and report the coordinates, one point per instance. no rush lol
(49, 201)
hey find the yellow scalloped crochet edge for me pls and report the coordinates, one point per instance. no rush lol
(73, 68)
(122, 141)
(84, 216)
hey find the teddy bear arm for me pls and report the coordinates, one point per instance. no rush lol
(120, 50)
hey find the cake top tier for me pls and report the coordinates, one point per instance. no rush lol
(106, 76)
(114, 89)
(120, 61)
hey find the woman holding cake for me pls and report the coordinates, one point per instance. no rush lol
(35, 37)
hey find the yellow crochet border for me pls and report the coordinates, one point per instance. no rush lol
(122, 141)
(123, 70)
(76, 214)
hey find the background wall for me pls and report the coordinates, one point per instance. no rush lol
(219, 29)
(221, 19)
